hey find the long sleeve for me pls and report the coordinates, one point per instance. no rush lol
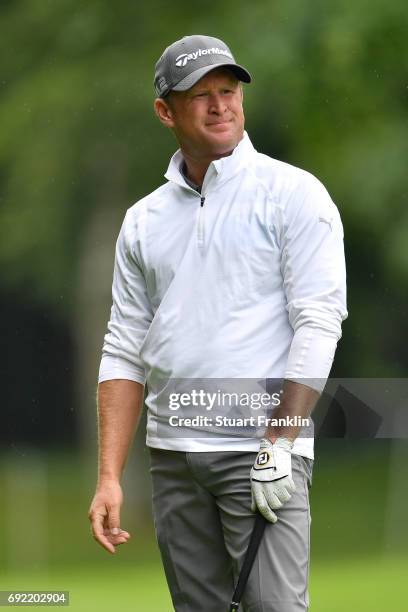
(314, 275)
(131, 313)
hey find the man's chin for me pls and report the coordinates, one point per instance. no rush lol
(223, 142)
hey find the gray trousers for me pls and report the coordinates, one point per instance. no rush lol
(203, 521)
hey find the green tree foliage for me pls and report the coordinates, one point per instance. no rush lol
(77, 132)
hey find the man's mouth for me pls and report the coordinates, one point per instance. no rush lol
(220, 122)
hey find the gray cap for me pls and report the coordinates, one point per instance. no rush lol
(187, 60)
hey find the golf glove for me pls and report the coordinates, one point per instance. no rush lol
(271, 477)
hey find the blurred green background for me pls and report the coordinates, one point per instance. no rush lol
(78, 145)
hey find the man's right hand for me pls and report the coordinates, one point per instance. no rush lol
(104, 515)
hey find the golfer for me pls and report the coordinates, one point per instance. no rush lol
(232, 270)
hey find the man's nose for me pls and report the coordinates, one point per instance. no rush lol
(216, 104)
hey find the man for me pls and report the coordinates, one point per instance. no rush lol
(233, 270)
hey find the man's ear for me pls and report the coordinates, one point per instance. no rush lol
(164, 112)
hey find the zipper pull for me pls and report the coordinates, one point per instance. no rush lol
(200, 225)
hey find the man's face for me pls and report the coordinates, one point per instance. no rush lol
(208, 119)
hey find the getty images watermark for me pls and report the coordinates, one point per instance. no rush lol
(353, 408)
(219, 398)
(252, 421)
(207, 408)
(216, 400)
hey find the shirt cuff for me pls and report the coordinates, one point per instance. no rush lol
(112, 368)
(311, 357)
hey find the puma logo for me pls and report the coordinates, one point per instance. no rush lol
(328, 221)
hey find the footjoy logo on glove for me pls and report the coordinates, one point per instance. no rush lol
(182, 59)
(262, 458)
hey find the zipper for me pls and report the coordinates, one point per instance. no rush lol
(200, 225)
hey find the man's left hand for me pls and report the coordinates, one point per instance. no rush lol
(271, 477)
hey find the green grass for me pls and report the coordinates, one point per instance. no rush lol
(366, 585)
(363, 585)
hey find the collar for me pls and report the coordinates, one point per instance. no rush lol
(219, 170)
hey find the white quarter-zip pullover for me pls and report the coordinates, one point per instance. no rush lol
(245, 280)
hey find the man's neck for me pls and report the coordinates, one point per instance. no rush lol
(190, 183)
(195, 169)
(194, 172)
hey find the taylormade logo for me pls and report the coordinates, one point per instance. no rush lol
(182, 59)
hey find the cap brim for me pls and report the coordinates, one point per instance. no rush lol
(194, 77)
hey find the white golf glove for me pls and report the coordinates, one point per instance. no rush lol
(271, 477)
